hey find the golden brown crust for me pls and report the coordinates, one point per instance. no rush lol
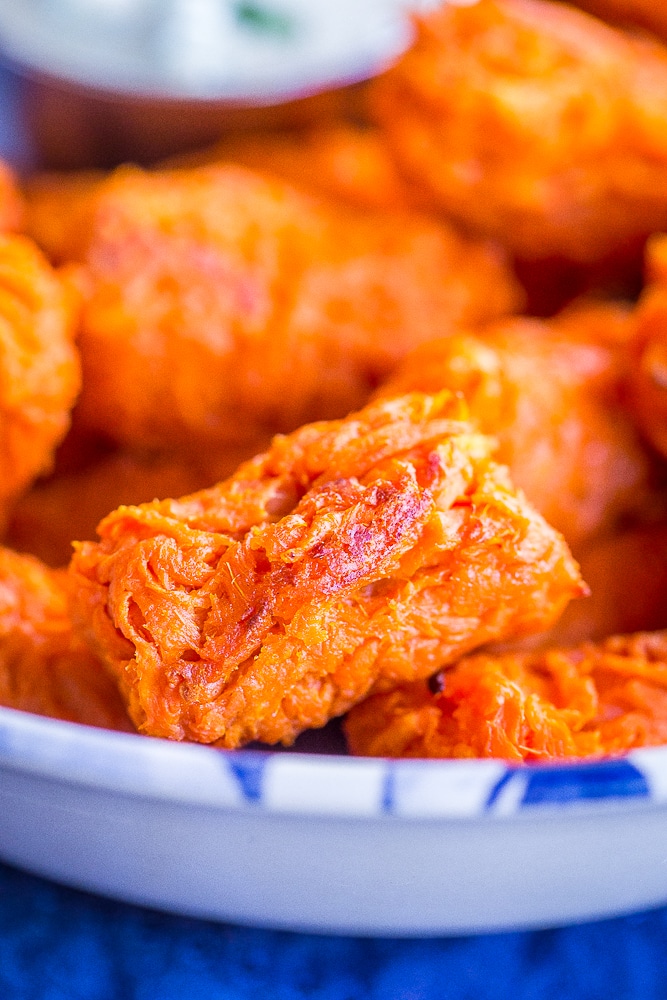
(44, 667)
(352, 554)
(534, 123)
(583, 702)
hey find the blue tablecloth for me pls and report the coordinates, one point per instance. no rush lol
(59, 944)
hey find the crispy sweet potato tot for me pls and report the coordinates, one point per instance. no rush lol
(352, 554)
(39, 366)
(44, 667)
(582, 702)
(534, 123)
(223, 305)
(550, 393)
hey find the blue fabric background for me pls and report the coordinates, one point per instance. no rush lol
(58, 944)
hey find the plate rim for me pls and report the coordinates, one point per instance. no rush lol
(325, 785)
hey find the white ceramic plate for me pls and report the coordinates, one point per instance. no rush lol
(331, 843)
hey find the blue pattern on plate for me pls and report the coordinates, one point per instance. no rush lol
(575, 783)
(498, 788)
(249, 773)
(388, 790)
(602, 780)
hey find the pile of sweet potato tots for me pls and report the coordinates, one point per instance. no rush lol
(364, 419)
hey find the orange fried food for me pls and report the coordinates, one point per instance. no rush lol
(649, 362)
(70, 504)
(550, 393)
(594, 699)
(39, 366)
(534, 123)
(353, 554)
(346, 162)
(222, 305)
(44, 667)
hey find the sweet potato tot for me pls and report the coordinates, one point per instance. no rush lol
(353, 555)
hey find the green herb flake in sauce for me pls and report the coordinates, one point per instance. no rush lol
(261, 19)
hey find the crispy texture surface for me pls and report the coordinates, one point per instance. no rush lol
(534, 123)
(223, 305)
(353, 554)
(39, 366)
(550, 394)
(588, 701)
(44, 667)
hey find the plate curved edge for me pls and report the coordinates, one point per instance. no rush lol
(319, 784)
